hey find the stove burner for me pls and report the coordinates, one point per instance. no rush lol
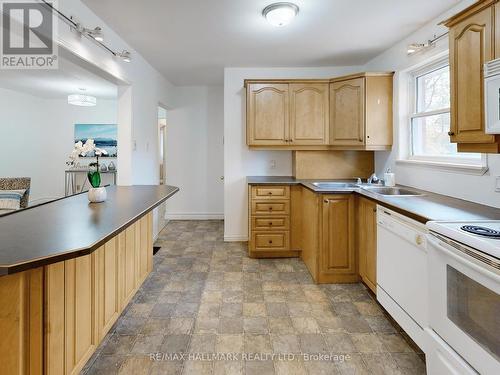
(482, 231)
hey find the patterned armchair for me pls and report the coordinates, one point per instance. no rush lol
(17, 183)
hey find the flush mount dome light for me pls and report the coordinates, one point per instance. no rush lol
(280, 14)
(82, 100)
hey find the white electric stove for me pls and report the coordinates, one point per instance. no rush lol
(464, 288)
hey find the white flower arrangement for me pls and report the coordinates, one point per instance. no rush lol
(81, 149)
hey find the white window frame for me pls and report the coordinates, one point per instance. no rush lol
(457, 164)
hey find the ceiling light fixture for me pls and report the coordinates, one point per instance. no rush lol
(82, 100)
(125, 55)
(280, 14)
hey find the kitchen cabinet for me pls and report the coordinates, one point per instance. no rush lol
(269, 221)
(289, 113)
(361, 111)
(337, 257)
(309, 112)
(328, 237)
(268, 114)
(367, 242)
(473, 34)
(352, 112)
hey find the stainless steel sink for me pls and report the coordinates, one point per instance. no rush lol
(334, 185)
(392, 191)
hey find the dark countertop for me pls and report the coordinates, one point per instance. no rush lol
(428, 207)
(71, 227)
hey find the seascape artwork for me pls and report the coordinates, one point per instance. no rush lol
(104, 135)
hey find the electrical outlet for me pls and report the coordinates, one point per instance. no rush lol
(497, 184)
(272, 164)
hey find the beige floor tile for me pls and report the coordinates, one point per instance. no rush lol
(229, 344)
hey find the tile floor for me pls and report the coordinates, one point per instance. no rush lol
(206, 296)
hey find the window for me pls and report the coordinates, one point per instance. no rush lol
(430, 118)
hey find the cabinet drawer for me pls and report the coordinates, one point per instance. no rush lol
(270, 192)
(270, 207)
(271, 241)
(271, 223)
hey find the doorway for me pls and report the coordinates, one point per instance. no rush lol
(162, 165)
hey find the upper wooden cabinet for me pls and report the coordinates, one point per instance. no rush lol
(267, 114)
(361, 111)
(284, 114)
(309, 114)
(319, 115)
(473, 34)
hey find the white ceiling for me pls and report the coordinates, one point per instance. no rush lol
(58, 83)
(191, 41)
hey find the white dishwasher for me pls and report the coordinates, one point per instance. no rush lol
(402, 284)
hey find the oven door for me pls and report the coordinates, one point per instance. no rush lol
(465, 302)
(492, 104)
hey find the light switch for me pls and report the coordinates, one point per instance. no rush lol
(272, 164)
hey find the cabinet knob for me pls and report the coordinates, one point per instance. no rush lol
(326, 201)
(270, 241)
(270, 224)
(270, 208)
(270, 193)
(450, 133)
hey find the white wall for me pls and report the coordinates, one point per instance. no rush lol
(239, 161)
(466, 186)
(195, 154)
(37, 135)
(137, 103)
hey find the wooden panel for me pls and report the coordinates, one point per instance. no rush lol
(55, 330)
(296, 217)
(367, 242)
(142, 241)
(337, 256)
(310, 231)
(267, 241)
(127, 275)
(267, 114)
(270, 192)
(309, 113)
(149, 241)
(270, 207)
(347, 112)
(271, 223)
(379, 111)
(21, 323)
(332, 164)
(79, 306)
(107, 285)
(470, 48)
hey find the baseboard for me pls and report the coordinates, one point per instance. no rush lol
(194, 216)
(236, 238)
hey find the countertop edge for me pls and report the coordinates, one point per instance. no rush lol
(75, 253)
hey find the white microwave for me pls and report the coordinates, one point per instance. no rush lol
(492, 96)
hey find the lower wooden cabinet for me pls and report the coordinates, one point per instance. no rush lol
(367, 242)
(337, 256)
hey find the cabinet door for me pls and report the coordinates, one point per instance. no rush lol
(347, 112)
(309, 114)
(267, 114)
(470, 48)
(367, 242)
(337, 256)
(107, 286)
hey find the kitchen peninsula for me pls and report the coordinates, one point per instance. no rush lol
(68, 269)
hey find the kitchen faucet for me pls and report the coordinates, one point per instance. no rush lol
(373, 179)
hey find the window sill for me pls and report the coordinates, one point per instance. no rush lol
(478, 170)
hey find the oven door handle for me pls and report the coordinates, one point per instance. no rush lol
(450, 251)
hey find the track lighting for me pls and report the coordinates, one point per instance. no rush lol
(419, 47)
